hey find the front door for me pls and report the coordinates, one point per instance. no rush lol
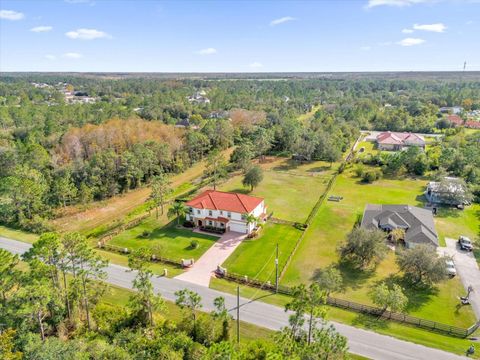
(200, 223)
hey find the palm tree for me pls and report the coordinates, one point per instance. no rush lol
(251, 219)
(177, 209)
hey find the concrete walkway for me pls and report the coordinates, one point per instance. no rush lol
(467, 269)
(201, 272)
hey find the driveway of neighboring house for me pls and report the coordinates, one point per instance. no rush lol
(201, 272)
(467, 269)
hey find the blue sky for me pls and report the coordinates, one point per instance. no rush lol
(239, 36)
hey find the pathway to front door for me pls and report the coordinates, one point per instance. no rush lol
(201, 272)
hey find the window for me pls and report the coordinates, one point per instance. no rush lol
(229, 214)
(198, 211)
(190, 210)
(244, 216)
(222, 225)
(210, 223)
(221, 212)
(210, 213)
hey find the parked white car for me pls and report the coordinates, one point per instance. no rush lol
(450, 266)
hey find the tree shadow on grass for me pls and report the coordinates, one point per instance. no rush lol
(418, 295)
(448, 212)
(241, 191)
(288, 165)
(319, 169)
(353, 278)
(370, 322)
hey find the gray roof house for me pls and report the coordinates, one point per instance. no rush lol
(417, 223)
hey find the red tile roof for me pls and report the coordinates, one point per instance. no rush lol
(220, 219)
(219, 200)
(455, 119)
(399, 138)
(473, 124)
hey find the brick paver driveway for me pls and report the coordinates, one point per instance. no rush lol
(201, 272)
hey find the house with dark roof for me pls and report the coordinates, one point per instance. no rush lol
(395, 141)
(417, 223)
(226, 211)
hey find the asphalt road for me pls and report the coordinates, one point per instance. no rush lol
(361, 342)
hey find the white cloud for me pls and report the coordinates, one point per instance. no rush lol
(438, 27)
(407, 31)
(72, 55)
(87, 34)
(470, 22)
(38, 29)
(365, 48)
(281, 20)
(256, 65)
(50, 57)
(207, 51)
(411, 42)
(397, 3)
(11, 15)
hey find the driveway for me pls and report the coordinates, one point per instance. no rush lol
(467, 269)
(362, 342)
(201, 272)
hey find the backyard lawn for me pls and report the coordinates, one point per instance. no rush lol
(290, 189)
(172, 243)
(335, 219)
(256, 257)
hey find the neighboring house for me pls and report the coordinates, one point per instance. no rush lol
(185, 123)
(417, 223)
(455, 120)
(451, 110)
(225, 211)
(450, 191)
(198, 98)
(396, 141)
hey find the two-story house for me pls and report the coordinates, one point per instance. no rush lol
(225, 211)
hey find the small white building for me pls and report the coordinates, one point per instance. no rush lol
(225, 211)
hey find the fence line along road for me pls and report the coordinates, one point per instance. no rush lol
(362, 342)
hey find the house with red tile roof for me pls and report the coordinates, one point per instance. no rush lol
(395, 141)
(225, 211)
(455, 120)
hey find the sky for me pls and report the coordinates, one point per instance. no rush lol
(239, 36)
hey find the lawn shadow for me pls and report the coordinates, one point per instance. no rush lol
(417, 295)
(319, 169)
(370, 322)
(353, 278)
(241, 191)
(288, 165)
(448, 212)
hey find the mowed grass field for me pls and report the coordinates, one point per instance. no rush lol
(169, 241)
(256, 257)
(335, 220)
(290, 189)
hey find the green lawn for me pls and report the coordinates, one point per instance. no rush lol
(255, 258)
(333, 222)
(290, 190)
(18, 234)
(391, 328)
(172, 243)
(369, 146)
(453, 223)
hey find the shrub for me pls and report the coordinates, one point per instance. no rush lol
(188, 224)
(194, 244)
(371, 175)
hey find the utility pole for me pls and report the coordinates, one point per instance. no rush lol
(238, 314)
(276, 271)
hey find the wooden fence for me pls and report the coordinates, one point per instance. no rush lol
(364, 309)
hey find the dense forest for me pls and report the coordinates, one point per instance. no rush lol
(54, 153)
